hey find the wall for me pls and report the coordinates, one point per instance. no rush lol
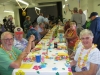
(50, 10)
(72, 4)
(3, 14)
(96, 7)
(91, 6)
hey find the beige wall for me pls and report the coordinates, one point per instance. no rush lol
(90, 5)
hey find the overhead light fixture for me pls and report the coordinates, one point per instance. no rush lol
(65, 0)
(21, 1)
(63, 6)
(8, 11)
(37, 8)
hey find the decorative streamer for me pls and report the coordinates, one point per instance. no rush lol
(24, 12)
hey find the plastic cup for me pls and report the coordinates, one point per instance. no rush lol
(38, 58)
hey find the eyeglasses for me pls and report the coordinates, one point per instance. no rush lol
(87, 38)
(8, 39)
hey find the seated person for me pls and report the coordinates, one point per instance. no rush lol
(71, 37)
(34, 31)
(20, 42)
(11, 57)
(87, 57)
(42, 29)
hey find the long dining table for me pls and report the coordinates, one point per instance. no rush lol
(54, 57)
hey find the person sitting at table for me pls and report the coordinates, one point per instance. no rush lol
(20, 42)
(42, 30)
(87, 57)
(71, 37)
(11, 57)
(34, 31)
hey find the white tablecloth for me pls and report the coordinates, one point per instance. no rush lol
(53, 67)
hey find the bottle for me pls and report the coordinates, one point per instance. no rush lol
(60, 38)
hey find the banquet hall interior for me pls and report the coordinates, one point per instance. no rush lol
(56, 37)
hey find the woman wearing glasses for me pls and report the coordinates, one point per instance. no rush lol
(87, 57)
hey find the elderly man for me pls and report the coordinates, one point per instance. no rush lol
(95, 28)
(34, 31)
(42, 30)
(87, 57)
(40, 19)
(20, 42)
(78, 19)
(11, 57)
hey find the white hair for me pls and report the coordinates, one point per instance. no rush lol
(86, 32)
(3, 35)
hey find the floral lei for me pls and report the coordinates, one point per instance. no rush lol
(85, 57)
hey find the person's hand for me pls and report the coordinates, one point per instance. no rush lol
(73, 63)
(23, 55)
(31, 38)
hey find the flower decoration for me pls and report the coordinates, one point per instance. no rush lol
(36, 67)
(20, 72)
(57, 73)
(55, 68)
(38, 72)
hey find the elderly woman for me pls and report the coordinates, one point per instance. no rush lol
(11, 57)
(87, 57)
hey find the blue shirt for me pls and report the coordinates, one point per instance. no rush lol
(21, 45)
(40, 19)
(32, 31)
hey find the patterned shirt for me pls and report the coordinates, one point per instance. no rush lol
(21, 45)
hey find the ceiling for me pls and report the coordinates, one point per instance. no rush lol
(32, 3)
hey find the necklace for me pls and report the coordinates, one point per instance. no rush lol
(70, 33)
(76, 44)
(10, 53)
(85, 58)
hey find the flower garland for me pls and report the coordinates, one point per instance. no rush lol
(85, 57)
(9, 53)
(70, 33)
(76, 44)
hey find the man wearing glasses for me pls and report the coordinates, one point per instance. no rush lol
(11, 57)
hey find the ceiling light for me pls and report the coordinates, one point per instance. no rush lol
(8, 11)
(65, 0)
(63, 6)
(21, 1)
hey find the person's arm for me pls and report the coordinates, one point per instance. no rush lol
(29, 45)
(72, 37)
(17, 63)
(65, 35)
(92, 71)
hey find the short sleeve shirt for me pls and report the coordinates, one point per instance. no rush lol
(32, 31)
(93, 57)
(21, 45)
(5, 60)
